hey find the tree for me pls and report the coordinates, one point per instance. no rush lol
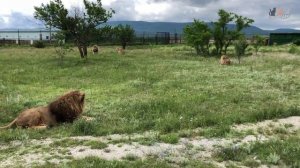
(79, 23)
(258, 41)
(240, 46)
(222, 35)
(198, 35)
(125, 34)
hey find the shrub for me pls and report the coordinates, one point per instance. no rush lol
(171, 138)
(198, 35)
(258, 43)
(293, 49)
(39, 44)
(240, 47)
(297, 42)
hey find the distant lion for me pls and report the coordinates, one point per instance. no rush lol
(95, 49)
(120, 50)
(225, 60)
(66, 108)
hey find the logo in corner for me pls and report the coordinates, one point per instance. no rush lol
(279, 13)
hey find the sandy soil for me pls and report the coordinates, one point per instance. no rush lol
(187, 148)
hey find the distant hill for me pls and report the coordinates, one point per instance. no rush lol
(173, 27)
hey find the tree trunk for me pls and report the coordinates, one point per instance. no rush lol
(124, 45)
(84, 48)
(80, 51)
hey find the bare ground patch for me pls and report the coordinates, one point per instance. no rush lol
(31, 152)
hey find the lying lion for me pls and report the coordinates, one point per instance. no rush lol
(120, 51)
(225, 60)
(66, 108)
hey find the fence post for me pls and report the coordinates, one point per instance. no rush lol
(143, 38)
(18, 36)
(41, 37)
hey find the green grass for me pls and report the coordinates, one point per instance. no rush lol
(171, 138)
(96, 145)
(285, 152)
(168, 89)
(130, 162)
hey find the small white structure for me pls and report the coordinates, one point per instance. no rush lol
(29, 34)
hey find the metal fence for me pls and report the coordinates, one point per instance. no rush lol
(26, 37)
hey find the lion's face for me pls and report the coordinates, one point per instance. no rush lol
(79, 97)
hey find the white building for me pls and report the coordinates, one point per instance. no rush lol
(26, 34)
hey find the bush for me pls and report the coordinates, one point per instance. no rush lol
(297, 42)
(39, 44)
(293, 49)
(240, 47)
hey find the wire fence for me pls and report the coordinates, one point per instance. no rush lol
(25, 37)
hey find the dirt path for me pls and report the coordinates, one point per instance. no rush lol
(30, 152)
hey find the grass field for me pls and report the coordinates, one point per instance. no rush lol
(168, 90)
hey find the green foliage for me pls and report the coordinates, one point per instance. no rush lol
(96, 144)
(240, 47)
(79, 23)
(293, 49)
(130, 157)
(273, 158)
(297, 42)
(171, 138)
(222, 35)
(258, 42)
(61, 48)
(125, 34)
(96, 162)
(234, 153)
(82, 127)
(38, 44)
(198, 35)
(275, 151)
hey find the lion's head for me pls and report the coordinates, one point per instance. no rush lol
(68, 107)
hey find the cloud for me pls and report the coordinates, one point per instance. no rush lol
(186, 11)
(17, 20)
(170, 10)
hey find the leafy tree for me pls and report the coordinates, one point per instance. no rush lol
(198, 35)
(79, 23)
(240, 47)
(125, 34)
(258, 41)
(222, 35)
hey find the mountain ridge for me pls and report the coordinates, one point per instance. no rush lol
(173, 27)
(177, 27)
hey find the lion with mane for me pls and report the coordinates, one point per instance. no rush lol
(66, 108)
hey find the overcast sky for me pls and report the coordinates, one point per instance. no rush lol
(19, 13)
